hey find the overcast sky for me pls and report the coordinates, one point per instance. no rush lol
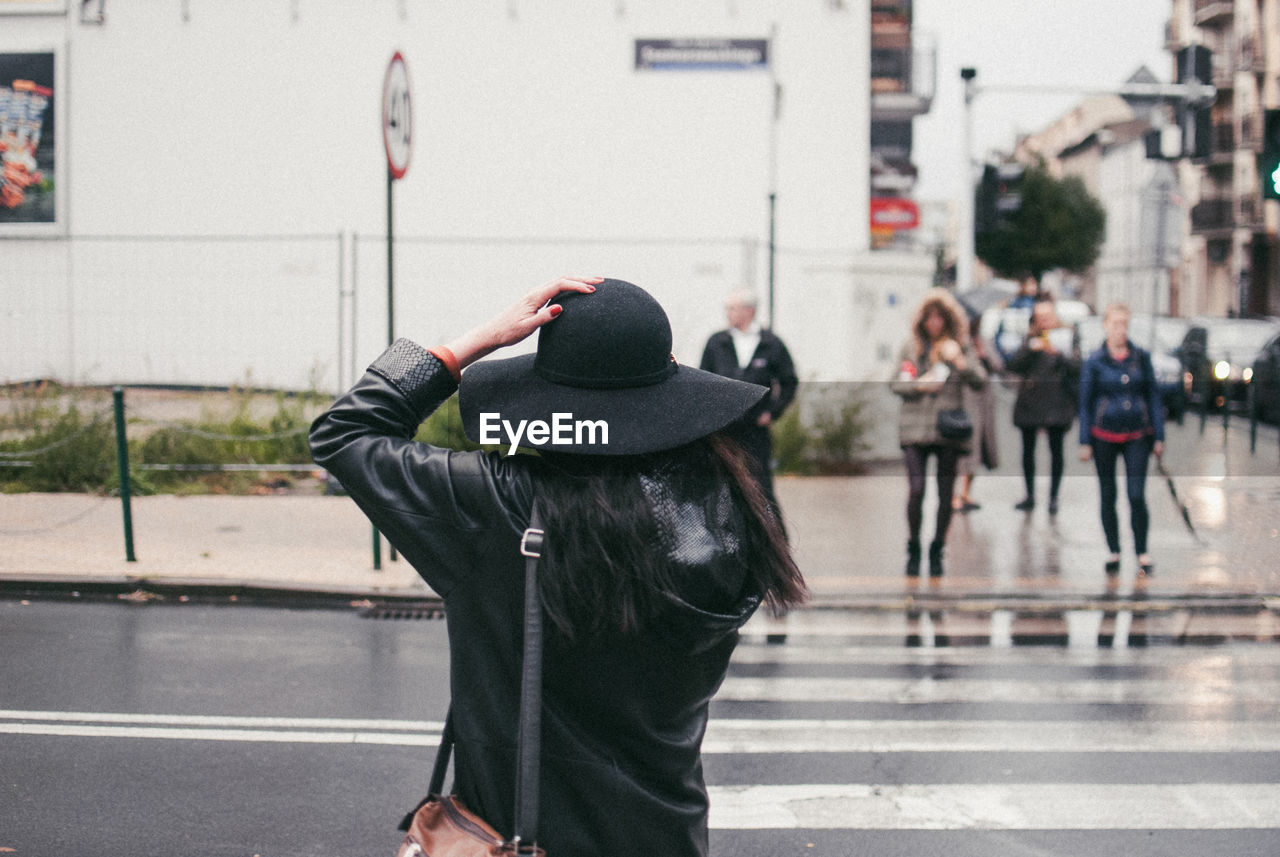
(1088, 43)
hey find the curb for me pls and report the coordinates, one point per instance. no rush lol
(239, 593)
(986, 602)
(139, 590)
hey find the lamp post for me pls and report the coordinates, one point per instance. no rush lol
(964, 247)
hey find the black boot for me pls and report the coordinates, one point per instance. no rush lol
(935, 558)
(913, 558)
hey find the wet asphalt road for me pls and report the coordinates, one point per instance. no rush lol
(106, 746)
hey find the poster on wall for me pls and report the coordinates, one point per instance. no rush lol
(28, 137)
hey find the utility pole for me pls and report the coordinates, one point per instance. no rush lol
(965, 250)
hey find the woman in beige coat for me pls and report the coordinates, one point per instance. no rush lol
(934, 367)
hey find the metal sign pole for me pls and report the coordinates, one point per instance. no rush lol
(397, 139)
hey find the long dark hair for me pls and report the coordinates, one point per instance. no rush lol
(606, 568)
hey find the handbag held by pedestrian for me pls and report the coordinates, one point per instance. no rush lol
(440, 826)
(954, 424)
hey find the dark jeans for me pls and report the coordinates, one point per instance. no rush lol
(1136, 454)
(757, 442)
(916, 457)
(1056, 461)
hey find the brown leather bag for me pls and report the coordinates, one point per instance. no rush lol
(441, 826)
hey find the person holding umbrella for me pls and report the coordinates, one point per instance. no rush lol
(1121, 417)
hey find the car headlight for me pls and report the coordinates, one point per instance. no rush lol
(1247, 374)
(1221, 370)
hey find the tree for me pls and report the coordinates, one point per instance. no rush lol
(1057, 224)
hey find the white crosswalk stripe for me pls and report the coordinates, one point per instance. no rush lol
(1025, 806)
(1212, 706)
(1212, 691)
(1197, 709)
(725, 736)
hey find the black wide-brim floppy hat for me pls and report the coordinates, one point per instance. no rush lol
(603, 382)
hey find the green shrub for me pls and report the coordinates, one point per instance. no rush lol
(791, 444)
(823, 434)
(444, 428)
(74, 451)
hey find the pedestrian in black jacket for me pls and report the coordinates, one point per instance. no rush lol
(747, 352)
(659, 546)
(1049, 366)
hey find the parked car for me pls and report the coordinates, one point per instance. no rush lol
(1161, 335)
(1264, 386)
(1217, 356)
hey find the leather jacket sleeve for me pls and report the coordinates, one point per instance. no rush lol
(435, 505)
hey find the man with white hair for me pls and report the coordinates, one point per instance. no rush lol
(748, 352)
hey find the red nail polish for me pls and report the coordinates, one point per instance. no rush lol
(556, 309)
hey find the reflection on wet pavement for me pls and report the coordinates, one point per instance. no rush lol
(1129, 622)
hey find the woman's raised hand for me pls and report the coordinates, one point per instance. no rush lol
(519, 320)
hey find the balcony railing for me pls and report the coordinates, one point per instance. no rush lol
(1209, 11)
(902, 83)
(1224, 137)
(1250, 56)
(1251, 132)
(1222, 214)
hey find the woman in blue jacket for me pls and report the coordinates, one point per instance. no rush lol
(1121, 417)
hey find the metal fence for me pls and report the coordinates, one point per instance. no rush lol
(305, 311)
(208, 309)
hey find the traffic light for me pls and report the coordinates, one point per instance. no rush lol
(1195, 65)
(1008, 192)
(1269, 160)
(985, 210)
(999, 197)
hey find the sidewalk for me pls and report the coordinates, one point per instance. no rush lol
(848, 534)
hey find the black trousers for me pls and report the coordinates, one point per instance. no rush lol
(1136, 454)
(916, 457)
(757, 442)
(1057, 462)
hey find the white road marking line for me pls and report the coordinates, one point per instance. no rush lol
(1207, 690)
(1021, 806)
(724, 735)
(282, 736)
(208, 720)
(799, 651)
(729, 735)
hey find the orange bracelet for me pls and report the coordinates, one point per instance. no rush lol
(445, 356)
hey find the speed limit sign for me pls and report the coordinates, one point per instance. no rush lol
(397, 116)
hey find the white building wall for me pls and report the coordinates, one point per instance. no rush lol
(538, 149)
(1127, 268)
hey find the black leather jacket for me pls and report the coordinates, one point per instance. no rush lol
(623, 722)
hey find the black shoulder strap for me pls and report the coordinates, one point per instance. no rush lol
(529, 738)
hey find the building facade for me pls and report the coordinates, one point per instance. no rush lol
(1102, 141)
(903, 79)
(222, 200)
(1230, 260)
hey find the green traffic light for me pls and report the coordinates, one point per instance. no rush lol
(1275, 180)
